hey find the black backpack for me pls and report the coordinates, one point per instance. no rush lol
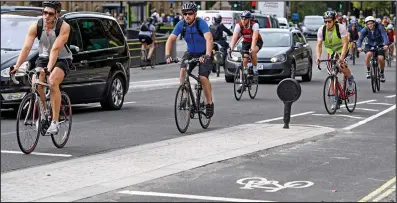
(57, 29)
(337, 31)
(197, 28)
(144, 27)
(216, 31)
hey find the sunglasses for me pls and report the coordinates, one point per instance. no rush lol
(188, 14)
(327, 21)
(244, 18)
(48, 13)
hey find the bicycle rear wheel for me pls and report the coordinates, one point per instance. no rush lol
(65, 120)
(237, 83)
(253, 88)
(373, 78)
(153, 60)
(143, 61)
(182, 111)
(351, 99)
(29, 112)
(204, 121)
(329, 95)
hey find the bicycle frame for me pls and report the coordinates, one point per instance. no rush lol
(336, 86)
(195, 101)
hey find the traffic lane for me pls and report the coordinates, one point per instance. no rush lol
(342, 166)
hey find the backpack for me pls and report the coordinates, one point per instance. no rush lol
(57, 29)
(337, 30)
(144, 27)
(216, 31)
(197, 27)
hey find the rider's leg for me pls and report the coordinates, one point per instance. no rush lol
(40, 63)
(255, 57)
(143, 50)
(151, 49)
(351, 49)
(381, 60)
(368, 56)
(204, 71)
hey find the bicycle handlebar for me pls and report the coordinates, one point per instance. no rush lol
(33, 71)
(326, 60)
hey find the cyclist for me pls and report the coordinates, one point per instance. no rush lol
(147, 36)
(376, 35)
(334, 44)
(391, 34)
(199, 42)
(252, 40)
(354, 33)
(217, 29)
(54, 56)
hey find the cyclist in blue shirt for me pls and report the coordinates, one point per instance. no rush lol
(199, 45)
(376, 35)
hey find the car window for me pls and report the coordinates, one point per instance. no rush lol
(295, 38)
(13, 32)
(93, 35)
(301, 38)
(74, 36)
(113, 33)
(261, 21)
(273, 39)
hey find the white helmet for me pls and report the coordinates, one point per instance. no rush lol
(378, 20)
(390, 27)
(369, 18)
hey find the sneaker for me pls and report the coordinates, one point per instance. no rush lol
(368, 75)
(209, 110)
(382, 77)
(333, 106)
(54, 128)
(350, 80)
(239, 89)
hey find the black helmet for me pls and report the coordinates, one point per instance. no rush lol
(218, 18)
(246, 14)
(189, 7)
(53, 4)
(329, 14)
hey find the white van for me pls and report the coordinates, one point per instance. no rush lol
(283, 23)
(229, 18)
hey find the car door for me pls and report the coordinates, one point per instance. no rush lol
(298, 52)
(97, 64)
(305, 53)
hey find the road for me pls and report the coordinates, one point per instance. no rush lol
(137, 154)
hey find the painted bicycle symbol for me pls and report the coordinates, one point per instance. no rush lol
(270, 185)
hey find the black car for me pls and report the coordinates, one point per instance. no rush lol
(101, 59)
(283, 52)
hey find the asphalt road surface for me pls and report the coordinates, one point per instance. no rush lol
(137, 153)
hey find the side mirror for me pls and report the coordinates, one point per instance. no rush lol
(298, 45)
(75, 49)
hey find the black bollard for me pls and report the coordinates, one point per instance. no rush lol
(288, 90)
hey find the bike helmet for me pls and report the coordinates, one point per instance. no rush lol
(53, 4)
(246, 14)
(189, 7)
(390, 27)
(218, 18)
(378, 20)
(329, 14)
(353, 21)
(369, 18)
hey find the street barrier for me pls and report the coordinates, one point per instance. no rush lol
(288, 90)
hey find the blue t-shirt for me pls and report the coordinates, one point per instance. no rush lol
(195, 42)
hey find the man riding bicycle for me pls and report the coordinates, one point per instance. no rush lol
(199, 42)
(391, 35)
(147, 36)
(252, 40)
(335, 40)
(376, 35)
(54, 55)
(354, 33)
(217, 29)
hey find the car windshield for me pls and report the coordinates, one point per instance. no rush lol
(314, 21)
(13, 32)
(271, 39)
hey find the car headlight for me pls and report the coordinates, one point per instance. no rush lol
(21, 71)
(236, 57)
(279, 58)
(304, 29)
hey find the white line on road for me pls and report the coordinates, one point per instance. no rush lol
(370, 118)
(386, 104)
(364, 109)
(280, 118)
(340, 115)
(36, 153)
(159, 194)
(385, 194)
(391, 96)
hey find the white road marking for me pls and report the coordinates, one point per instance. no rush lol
(391, 96)
(385, 194)
(364, 109)
(280, 118)
(362, 102)
(159, 194)
(386, 104)
(36, 153)
(341, 115)
(370, 118)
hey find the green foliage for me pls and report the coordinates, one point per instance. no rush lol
(305, 8)
(380, 6)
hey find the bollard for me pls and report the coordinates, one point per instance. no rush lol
(288, 90)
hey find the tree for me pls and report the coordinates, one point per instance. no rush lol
(305, 8)
(380, 7)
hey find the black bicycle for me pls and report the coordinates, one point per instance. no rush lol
(355, 53)
(389, 56)
(187, 103)
(145, 61)
(375, 70)
(248, 79)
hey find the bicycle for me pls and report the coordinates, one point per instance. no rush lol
(145, 62)
(249, 80)
(334, 91)
(191, 103)
(389, 56)
(31, 105)
(354, 52)
(374, 68)
(219, 59)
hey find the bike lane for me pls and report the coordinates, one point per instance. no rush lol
(344, 166)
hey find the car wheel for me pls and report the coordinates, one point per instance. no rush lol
(308, 76)
(115, 96)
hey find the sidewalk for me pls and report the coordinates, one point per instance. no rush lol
(80, 178)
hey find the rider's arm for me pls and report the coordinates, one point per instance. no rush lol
(236, 33)
(345, 40)
(59, 43)
(255, 30)
(27, 46)
(209, 40)
(319, 42)
(173, 36)
(361, 37)
(228, 32)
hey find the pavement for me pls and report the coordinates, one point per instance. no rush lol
(137, 153)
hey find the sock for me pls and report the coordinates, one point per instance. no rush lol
(255, 69)
(56, 122)
(382, 71)
(368, 68)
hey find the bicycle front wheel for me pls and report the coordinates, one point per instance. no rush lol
(330, 94)
(253, 89)
(389, 58)
(204, 121)
(373, 77)
(28, 116)
(354, 55)
(378, 79)
(182, 109)
(351, 98)
(65, 122)
(153, 60)
(238, 83)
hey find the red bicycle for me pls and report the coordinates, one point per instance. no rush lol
(335, 92)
